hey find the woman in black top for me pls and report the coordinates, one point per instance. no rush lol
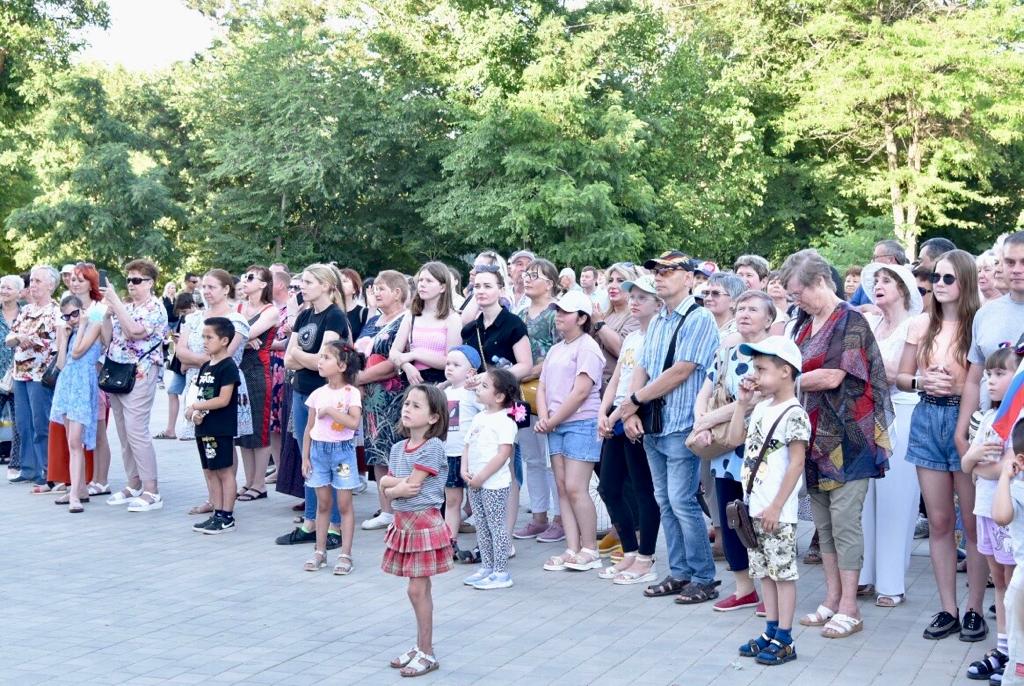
(499, 335)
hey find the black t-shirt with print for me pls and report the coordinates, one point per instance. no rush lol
(212, 378)
(498, 339)
(310, 327)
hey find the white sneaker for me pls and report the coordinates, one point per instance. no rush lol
(503, 580)
(381, 521)
(477, 576)
(143, 505)
(120, 498)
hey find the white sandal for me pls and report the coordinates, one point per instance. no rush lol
(819, 617)
(124, 496)
(96, 488)
(587, 559)
(556, 563)
(611, 572)
(842, 626)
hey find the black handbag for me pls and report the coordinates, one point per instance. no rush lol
(737, 512)
(119, 377)
(50, 374)
(650, 413)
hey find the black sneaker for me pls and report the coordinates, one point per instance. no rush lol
(333, 540)
(974, 628)
(220, 525)
(296, 536)
(201, 526)
(943, 625)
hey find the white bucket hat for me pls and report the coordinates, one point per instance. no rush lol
(867, 282)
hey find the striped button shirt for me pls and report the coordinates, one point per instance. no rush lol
(696, 343)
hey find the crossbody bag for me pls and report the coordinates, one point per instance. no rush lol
(651, 412)
(119, 377)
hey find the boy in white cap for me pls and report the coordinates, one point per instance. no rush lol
(773, 469)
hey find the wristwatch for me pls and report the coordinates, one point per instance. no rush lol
(633, 399)
(599, 326)
(913, 383)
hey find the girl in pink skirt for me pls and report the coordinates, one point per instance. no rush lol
(418, 544)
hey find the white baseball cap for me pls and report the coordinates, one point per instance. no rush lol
(780, 346)
(574, 301)
(644, 283)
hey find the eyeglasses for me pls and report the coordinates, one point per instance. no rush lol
(879, 258)
(662, 271)
(136, 280)
(534, 276)
(715, 294)
(71, 315)
(948, 279)
(252, 277)
(923, 291)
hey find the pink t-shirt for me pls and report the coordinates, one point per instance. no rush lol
(324, 428)
(566, 361)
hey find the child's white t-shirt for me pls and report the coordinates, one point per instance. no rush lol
(462, 407)
(325, 428)
(1017, 525)
(489, 431)
(984, 489)
(795, 427)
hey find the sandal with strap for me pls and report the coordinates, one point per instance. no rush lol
(610, 572)
(343, 566)
(205, 508)
(819, 617)
(420, 664)
(587, 559)
(777, 653)
(96, 488)
(666, 587)
(317, 562)
(66, 499)
(865, 590)
(405, 658)
(842, 626)
(889, 600)
(994, 661)
(754, 646)
(557, 563)
(247, 496)
(694, 593)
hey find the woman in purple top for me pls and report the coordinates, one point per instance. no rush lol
(568, 402)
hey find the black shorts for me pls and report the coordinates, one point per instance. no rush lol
(216, 452)
(454, 472)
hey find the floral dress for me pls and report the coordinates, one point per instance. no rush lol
(186, 430)
(278, 384)
(77, 395)
(382, 400)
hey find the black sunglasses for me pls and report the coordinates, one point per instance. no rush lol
(136, 280)
(294, 288)
(659, 271)
(251, 277)
(923, 291)
(948, 279)
(71, 315)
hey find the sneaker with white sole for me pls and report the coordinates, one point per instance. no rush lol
(553, 534)
(477, 576)
(120, 498)
(495, 580)
(140, 504)
(381, 521)
(220, 525)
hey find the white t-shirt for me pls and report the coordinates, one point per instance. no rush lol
(984, 489)
(891, 348)
(629, 356)
(1017, 525)
(795, 427)
(489, 431)
(462, 408)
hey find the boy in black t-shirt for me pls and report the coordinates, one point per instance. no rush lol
(215, 414)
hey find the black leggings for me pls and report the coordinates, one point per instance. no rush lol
(735, 552)
(623, 461)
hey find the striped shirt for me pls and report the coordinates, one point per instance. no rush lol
(696, 343)
(428, 457)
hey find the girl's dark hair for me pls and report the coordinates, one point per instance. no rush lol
(267, 295)
(1003, 358)
(71, 300)
(184, 301)
(348, 356)
(506, 384)
(437, 403)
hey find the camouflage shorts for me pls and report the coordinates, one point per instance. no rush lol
(775, 555)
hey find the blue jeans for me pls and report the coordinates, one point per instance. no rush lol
(676, 475)
(300, 415)
(32, 402)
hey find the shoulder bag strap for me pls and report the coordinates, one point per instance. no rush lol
(670, 355)
(480, 342)
(764, 450)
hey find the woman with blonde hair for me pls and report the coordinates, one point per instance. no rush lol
(612, 325)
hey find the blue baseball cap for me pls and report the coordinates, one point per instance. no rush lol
(471, 354)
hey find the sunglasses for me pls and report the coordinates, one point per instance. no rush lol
(252, 277)
(923, 291)
(294, 288)
(71, 315)
(948, 279)
(661, 271)
(136, 280)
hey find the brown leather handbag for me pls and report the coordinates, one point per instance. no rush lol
(737, 513)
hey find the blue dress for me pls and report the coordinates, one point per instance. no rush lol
(77, 395)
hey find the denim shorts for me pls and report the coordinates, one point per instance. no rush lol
(176, 384)
(455, 479)
(931, 445)
(334, 464)
(576, 440)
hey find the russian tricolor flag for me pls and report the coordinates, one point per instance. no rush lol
(1012, 406)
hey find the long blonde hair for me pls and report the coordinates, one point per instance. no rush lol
(329, 276)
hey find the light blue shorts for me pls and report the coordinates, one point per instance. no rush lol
(576, 440)
(931, 444)
(176, 384)
(334, 464)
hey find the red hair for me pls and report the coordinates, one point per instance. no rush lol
(87, 272)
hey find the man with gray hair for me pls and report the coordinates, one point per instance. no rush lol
(517, 264)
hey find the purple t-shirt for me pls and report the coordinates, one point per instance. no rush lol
(566, 361)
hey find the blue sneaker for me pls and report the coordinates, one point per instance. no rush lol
(478, 576)
(496, 580)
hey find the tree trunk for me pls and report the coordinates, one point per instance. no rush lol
(892, 157)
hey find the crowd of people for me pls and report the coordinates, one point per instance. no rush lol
(719, 407)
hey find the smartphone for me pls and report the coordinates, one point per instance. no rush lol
(103, 278)
(298, 298)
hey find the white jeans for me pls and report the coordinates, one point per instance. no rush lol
(890, 513)
(1014, 603)
(540, 480)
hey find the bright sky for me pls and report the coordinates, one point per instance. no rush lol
(146, 35)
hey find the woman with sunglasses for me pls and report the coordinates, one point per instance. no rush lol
(218, 290)
(539, 282)
(934, 365)
(136, 331)
(76, 397)
(612, 325)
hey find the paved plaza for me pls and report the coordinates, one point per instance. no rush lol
(112, 597)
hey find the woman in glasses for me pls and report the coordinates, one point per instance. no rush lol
(257, 307)
(720, 300)
(934, 365)
(612, 325)
(136, 330)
